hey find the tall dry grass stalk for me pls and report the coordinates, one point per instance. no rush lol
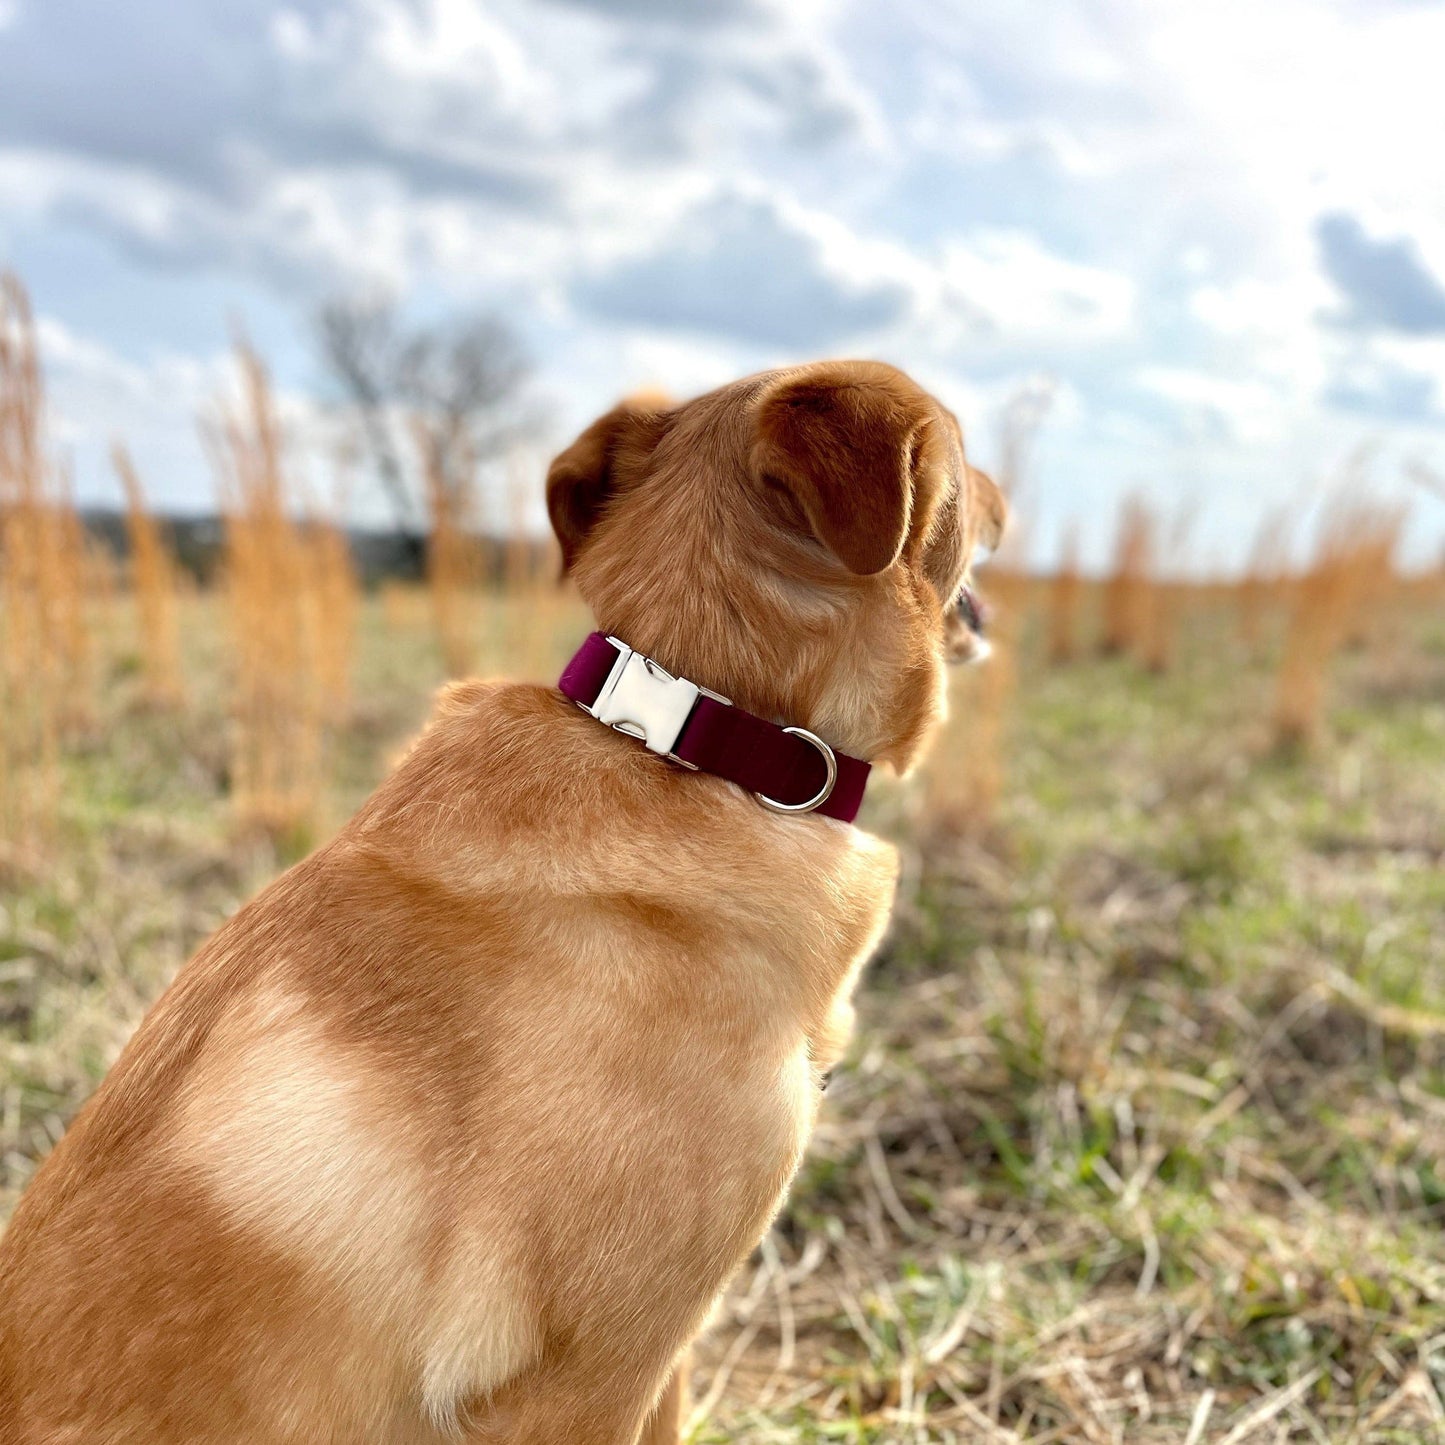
(1333, 603)
(1261, 588)
(1159, 645)
(1126, 590)
(75, 567)
(1313, 637)
(405, 606)
(969, 783)
(1374, 534)
(519, 552)
(337, 589)
(1165, 598)
(290, 637)
(45, 643)
(452, 565)
(153, 582)
(336, 601)
(1065, 597)
(539, 604)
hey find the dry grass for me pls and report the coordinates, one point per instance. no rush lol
(290, 594)
(1167, 600)
(1127, 590)
(153, 581)
(1165, 596)
(1265, 575)
(336, 600)
(452, 567)
(1065, 598)
(45, 644)
(1335, 602)
(1144, 1137)
(967, 779)
(1054, 1203)
(1316, 629)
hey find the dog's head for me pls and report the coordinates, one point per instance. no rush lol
(798, 540)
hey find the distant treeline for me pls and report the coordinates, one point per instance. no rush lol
(198, 543)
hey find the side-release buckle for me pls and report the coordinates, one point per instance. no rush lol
(647, 702)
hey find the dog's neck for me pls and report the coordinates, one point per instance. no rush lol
(796, 655)
(788, 768)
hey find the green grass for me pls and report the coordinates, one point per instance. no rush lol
(1145, 1122)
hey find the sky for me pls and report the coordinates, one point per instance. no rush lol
(1206, 242)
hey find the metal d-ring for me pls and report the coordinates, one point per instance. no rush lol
(830, 761)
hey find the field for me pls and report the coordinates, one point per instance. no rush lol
(1143, 1133)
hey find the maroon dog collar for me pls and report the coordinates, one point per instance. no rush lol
(790, 769)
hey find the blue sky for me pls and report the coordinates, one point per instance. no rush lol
(1213, 235)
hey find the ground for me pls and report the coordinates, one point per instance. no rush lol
(1143, 1133)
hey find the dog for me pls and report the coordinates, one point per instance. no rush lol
(458, 1129)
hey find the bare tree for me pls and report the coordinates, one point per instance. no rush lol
(459, 384)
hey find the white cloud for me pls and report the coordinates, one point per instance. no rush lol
(1270, 330)
(1213, 406)
(1033, 297)
(753, 267)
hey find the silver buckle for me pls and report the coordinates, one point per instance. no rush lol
(647, 702)
(830, 762)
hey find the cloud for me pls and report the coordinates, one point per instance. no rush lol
(750, 83)
(452, 140)
(1027, 295)
(300, 233)
(1388, 392)
(708, 13)
(455, 96)
(231, 96)
(755, 267)
(742, 267)
(1385, 283)
(1212, 409)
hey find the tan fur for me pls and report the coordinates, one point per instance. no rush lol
(458, 1129)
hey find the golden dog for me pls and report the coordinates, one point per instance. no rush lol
(458, 1129)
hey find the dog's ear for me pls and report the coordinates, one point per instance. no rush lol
(602, 463)
(990, 506)
(847, 451)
